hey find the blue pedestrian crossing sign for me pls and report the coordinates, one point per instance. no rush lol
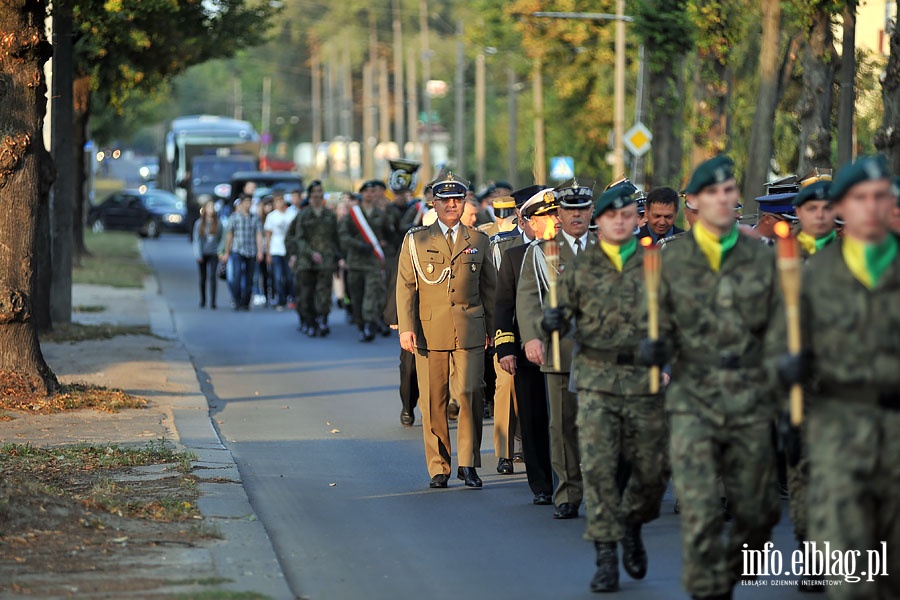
(562, 168)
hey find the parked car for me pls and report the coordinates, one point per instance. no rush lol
(147, 211)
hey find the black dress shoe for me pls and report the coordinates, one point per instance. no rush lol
(439, 481)
(452, 411)
(565, 510)
(470, 476)
(543, 499)
(407, 419)
(505, 466)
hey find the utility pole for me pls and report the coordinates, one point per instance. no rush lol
(384, 103)
(412, 99)
(368, 141)
(459, 141)
(426, 77)
(540, 160)
(637, 164)
(331, 107)
(512, 98)
(398, 78)
(479, 118)
(316, 90)
(236, 91)
(266, 118)
(619, 93)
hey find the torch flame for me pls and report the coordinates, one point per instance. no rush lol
(549, 230)
(782, 229)
(646, 242)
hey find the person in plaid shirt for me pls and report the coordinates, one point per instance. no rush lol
(244, 247)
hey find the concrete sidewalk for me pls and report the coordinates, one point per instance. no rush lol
(159, 369)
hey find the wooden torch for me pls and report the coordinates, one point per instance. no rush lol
(651, 280)
(789, 276)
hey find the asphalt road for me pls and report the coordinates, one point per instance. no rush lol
(342, 488)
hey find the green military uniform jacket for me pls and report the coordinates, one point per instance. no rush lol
(531, 298)
(311, 233)
(716, 324)
(446, 297)
(357, 251)
(610, 313)
(852, 331)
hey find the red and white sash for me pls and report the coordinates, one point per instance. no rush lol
(359, 218)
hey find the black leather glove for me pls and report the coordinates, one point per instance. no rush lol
(790, 439)
(794, 368)
(554, 320)
(654, 353)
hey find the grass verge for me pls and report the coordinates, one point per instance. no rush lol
(115, 260)
(17, 395)
(80, 332)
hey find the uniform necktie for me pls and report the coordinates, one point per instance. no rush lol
(450, 239)
(577, 246)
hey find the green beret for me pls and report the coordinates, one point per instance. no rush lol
(715, 170)
(814, 191)
(865, 168)
(618, 196)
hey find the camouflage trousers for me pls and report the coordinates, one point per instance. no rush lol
(611, 427)
(367, 294)
(854, 491)
(798, 486)
(745, 458)
(315, 293)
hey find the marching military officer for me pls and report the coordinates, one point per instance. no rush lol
(445, 303)
(314, 248)
(717, 298)
(815, 212)
(509, 252)
(566, 213)
(618, 417)
(363, 235)
(850, 322)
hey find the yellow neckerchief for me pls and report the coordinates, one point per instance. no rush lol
(812, 244)
(868, 262)
(619, 254)
(712, 246)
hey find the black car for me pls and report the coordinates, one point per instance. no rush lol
(148, 211)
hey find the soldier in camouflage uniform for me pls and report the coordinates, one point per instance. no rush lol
(850, 320)
(717, 297)
(618, 417)
(315, 250)
(363, 234)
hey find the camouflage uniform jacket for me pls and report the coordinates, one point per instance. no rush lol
(310, 233)
(716, 324)
(531, 298)
(853, 332)
(610, 313)
(358, 252)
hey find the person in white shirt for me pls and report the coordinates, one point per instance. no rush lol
(276, 226)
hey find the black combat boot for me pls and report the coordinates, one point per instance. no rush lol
(606, 579)
(312, 330)
(634, 555)
(323, 326)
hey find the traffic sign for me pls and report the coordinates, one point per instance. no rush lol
(637, 139)
(562, 168)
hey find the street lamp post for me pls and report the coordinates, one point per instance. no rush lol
(619, 93)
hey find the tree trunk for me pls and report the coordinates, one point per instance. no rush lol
(81, 96)
(666, 94)
(761, 135)
(847, 104)
(23, 90)
(887, 138)
(817, 100)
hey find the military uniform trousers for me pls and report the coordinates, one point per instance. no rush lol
(744, 455)
(798, 490)
(316, 286)
(634, 428)
(534, 422)
(854, 490)
(433, 368)
(367, 295)
(505, 419)
(564, 454)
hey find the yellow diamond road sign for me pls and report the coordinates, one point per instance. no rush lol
(637, 139)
